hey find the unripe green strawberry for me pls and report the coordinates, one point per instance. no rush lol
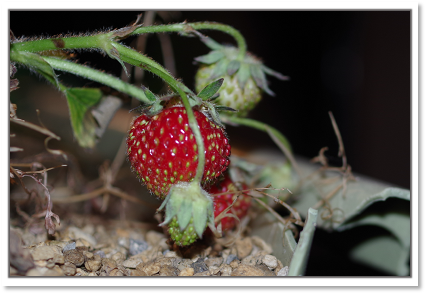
(189, 210)
(244, 76)
(232, 94)
(162, 149)
(185, 237)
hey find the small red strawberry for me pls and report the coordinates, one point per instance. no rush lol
(163, 151)
(223, 201)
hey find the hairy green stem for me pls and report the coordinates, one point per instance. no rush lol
(187, 28)
(257, 125)
(62, 43)
(97, 76)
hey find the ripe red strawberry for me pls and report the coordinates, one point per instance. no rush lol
(162, 149)
(221, 202)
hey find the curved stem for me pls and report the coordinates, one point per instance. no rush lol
(95, 75)
(257, 125)
(187, 27)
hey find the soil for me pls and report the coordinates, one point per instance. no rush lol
(97, 246)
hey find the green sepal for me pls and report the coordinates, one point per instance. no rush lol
(149, 94)
(214, 115)
(212, 44)
(214, 97)
(114, 54)
(210, 89)
(184, 214)
(199, 212)
(260, 79)
(243, 74)
(211, 57)
(274, 73)
(225, 108)
(188, 200)
(155, 108)
(219, 69)
(233, 67)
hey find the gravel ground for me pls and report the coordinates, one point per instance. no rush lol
(91, 246)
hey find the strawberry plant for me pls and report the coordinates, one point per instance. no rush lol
(176, 143)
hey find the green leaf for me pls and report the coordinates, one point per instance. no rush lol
(210, 89)
(80, 100)
(211, 57)
(301, 254)
(37, 63)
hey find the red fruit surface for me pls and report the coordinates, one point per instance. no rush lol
(162, 149)
(221, 202)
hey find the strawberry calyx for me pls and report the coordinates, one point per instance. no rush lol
(228, 62)
(203, 101)
(188, 205)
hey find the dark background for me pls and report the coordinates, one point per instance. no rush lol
(353, 63)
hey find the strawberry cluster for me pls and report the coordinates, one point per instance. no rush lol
(163, 152)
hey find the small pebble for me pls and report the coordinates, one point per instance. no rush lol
(138, 273)
(214, 270)
(100, 253)
(214, 261)
(69, 246)
(266, 271)
(283, 272)
(185, 263)
(249, 260)
(199, 266)
(93, 265)
(108, 265)
(235, 263)
(203, 274)
(151, 268)
(137, 246)
(225, 270)
(169, 271)
(270, 261)
(44, 252)
(230, 258)
(116, 273)
(189, 271)
(132, 262)
(69, 269)
(74, 256)
(247, 270)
